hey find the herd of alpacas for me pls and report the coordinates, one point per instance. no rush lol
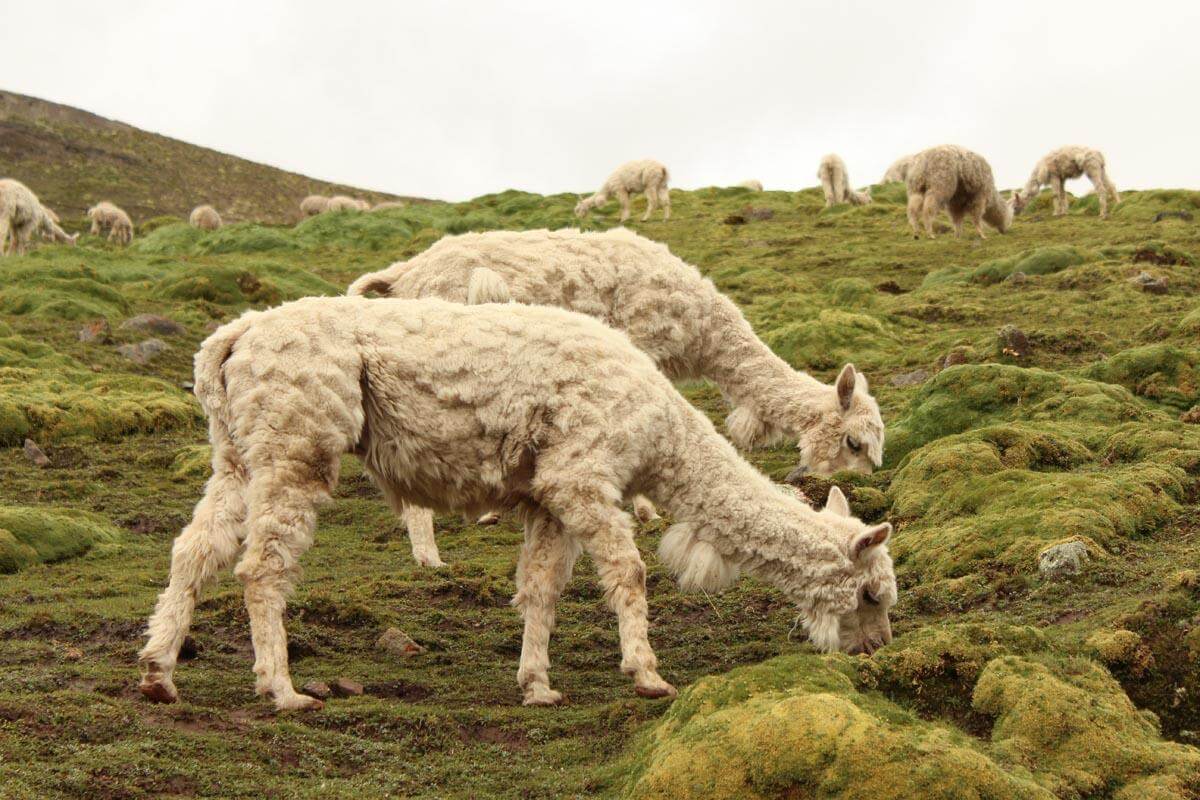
(532, 372)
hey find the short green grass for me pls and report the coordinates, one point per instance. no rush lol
(998, 680)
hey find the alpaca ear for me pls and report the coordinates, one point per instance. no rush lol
(745, 428)
(380, 286)
(871, 537)
(837, 502)
(845, 386)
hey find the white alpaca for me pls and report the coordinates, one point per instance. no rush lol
(672, 313)
(491, 406)
(898, 171)
(752, 185)
(21, 216)
(205, 217)
(314, 204)
(835, 182)
(1060, 165)
(106, 215)
(646, 175)
(343, 203)
(960, 181)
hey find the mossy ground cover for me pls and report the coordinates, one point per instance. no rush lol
(999, 679)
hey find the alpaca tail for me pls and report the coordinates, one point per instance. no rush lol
(210, 363)
(485, 286)
(378, 282)
(696, 564)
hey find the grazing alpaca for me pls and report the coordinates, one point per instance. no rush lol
(478, 407)
(954, 178)
(314, 204)
(646, 175)
(343, 203)
(205, 218)
(106, 215)
(835, 183)
(898, 171)
(22, 215)
(752, 185)
(671, 312)
(1065, 163)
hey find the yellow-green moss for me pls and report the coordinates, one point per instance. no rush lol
(35, 535)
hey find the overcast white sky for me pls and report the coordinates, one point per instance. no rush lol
(455, 99)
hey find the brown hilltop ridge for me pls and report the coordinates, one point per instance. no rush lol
(72, 158)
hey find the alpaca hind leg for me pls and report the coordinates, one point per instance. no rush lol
(208, 545)
(916, 202)
(1096, 176)
(282, 516)
(929, 210)
(651, 202)
(827, 188)
(1110, 187)
(419, 522)
(623, 199)
(544, 568)
(1060, 196)
(664, 200)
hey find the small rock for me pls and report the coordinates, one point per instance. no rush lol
(1018, 278)
(143, 352)
(1183, 215)
(71, 653)
(154, 323)
(1191, 416)
(399, 643)
(955, 357)
(1063, 559)
(35, 454)
(96, 331)
(189, 649)
(1149, 283)
(909, 378)
(344, 687)
(1013, 341)
(317, 689)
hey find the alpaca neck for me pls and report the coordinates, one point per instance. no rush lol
(750, 375)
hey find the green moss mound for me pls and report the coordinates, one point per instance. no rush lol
(54, 404)
(245, 237)
(59, 293)
(170, 239)
(1144, 206)
(1164, 373)
(1041, 261)
(805, 726)
(259, 283)
(31, 535)
(828, 341)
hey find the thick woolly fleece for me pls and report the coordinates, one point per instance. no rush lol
(835, 183)
(478, 407)
(960, 181)
(22, 215)
(205, 217)
(1068, 162)
(106, 215)
(645, 175)
(314, 204)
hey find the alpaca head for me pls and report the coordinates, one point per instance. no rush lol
(1019, 200)
(846, 433)
(999, 212)
(583, 207)
(858, 622)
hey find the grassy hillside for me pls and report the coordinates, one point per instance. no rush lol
(73, 159)
(1001, 682)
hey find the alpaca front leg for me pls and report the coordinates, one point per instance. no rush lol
(664, 200)
(1060, 196)
(644, 510)
(419, 522)
(281, 521)
(544, 568)
(929, 210)
(623, 199)
(651, 203)
(916, 202)
(207, 546)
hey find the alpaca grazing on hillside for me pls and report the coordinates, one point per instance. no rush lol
(752, 185)
(205, 218)
(672, 313)
(898, 171)
(491, 406)
(646, 175)
(1059, 166)
(22, 215)
(106, 215)
(343, 203)
(835, 183)
(960, 181)
(314, 204)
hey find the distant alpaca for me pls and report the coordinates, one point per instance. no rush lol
(835, 182)
(342, 203)
(314, 204)
(106, 215)
(646, 175)
(205, 217)
(960, 181)
(898, 171)
(21, 216)
(1060, 165)
(672, 313)
(477, 407)
(754, 186)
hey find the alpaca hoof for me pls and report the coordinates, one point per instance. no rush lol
(158, 691)
(655, 691)
(542, 696)
(432, 560)
(298, 702)
(490, 518)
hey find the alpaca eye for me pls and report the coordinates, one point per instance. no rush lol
(869, 598)
(854, 445)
